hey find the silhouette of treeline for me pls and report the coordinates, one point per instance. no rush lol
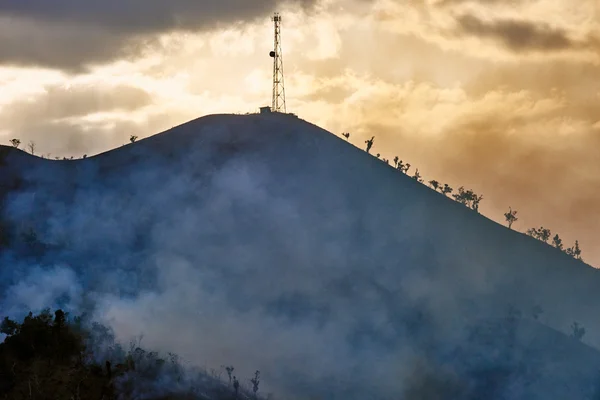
(544, 235)
(31, 146)
(50, 356)
(471, 200)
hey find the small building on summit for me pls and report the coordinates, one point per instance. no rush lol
(269, 110)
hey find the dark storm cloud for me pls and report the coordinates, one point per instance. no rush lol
(27, 42)
(518, 36)
(70, 35)
(142, 16)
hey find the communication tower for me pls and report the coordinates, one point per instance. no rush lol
(278, 104)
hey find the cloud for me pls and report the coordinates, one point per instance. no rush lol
(60, 101)
(518, 36)
(507, 31)
(63, 120)
(72, 35)
(76, 137)
(144, 16)
(482, 2)
(72, 48)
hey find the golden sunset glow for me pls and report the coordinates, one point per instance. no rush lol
(501, 97)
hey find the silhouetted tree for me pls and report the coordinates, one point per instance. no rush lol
(378, 155)
(229, 370)
(59, 319)
(396, 159)
(511, 217)
(578, 331)
(9, 327)
(31, 147)
(346, 135)
(403, 167)
(577, 250)
(434, 184)
(446, 190)
(133, 138)
(574, 251)
(370, 143)
(557, 242)
(476, 200)
(461, 197)
(468, 198)
(540, 233)
(15, 143)
(417, 176)
(255, 381)
(544, 234)
(236, 386)
(385, 160)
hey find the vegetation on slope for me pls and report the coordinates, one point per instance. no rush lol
(471, 200)
(52, 357)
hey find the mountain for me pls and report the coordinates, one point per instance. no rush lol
(265, 242)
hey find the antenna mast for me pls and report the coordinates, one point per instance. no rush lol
(278, 104)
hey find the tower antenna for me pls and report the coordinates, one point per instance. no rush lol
(278, 103)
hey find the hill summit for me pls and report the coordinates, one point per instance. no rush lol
(265, 242)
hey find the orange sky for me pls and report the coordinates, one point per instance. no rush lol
(499, 96)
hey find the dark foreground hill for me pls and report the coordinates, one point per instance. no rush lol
(62, 358)
(268, 243)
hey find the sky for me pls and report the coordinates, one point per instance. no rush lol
(502, 97)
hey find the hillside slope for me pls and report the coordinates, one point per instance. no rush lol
(266, 242)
